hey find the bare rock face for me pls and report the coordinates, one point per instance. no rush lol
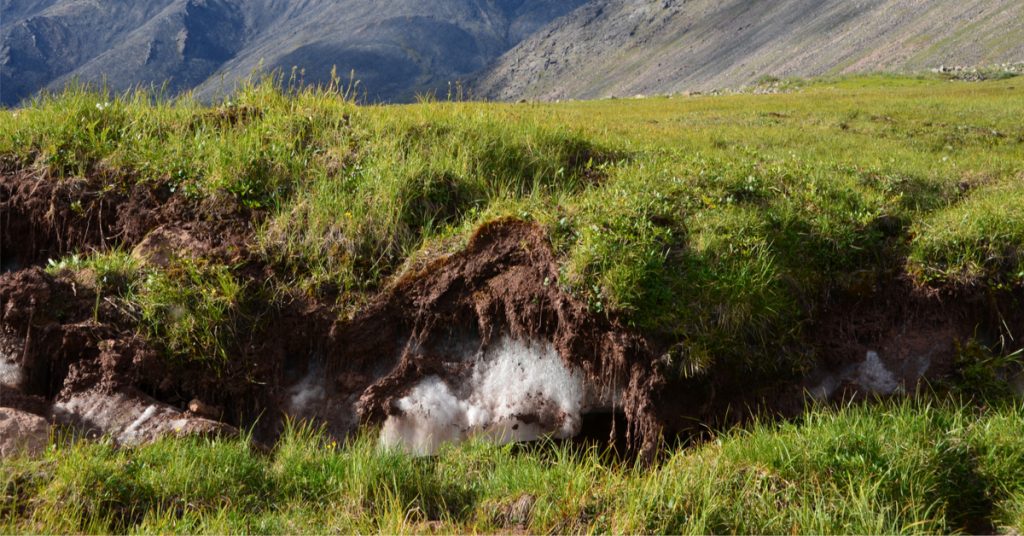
(22, 432)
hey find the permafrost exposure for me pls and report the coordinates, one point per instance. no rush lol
(518, 391)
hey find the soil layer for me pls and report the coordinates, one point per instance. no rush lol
(74, 357)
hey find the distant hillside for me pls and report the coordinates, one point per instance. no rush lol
(397, 48)
(510, 49)
(627, 47)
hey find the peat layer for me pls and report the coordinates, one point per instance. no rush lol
(442, 336)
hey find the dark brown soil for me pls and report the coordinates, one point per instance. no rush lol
(66, 339)
(917, 332)
(505, 282)
(45, 218)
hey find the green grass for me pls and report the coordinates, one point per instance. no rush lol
(716, 223)
(197, 309)
(978, 242)
(895, 468)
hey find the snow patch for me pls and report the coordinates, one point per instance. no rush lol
(825, 389)
(309, 391)
(873, 375)
(517, 391)
(10, 373)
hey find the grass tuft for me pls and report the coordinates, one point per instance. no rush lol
(901, 467)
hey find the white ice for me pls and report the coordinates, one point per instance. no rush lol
(874, 376)
(10, 373)
(308, 391)
(518, 391)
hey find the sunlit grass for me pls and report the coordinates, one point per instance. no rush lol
(719, 225)
(718, 222)
(895, 468)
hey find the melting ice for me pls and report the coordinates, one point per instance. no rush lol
(518, 391)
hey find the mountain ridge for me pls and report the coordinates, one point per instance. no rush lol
(626, 47)
(501, 49)
(411, 46)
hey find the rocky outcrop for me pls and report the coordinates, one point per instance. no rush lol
(22, 433)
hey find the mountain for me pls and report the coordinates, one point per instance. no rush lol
(397, 48)
(627, 47)
(509, 49)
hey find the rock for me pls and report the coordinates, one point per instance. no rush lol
(22, 432)
(202, 409)
(625, 47)
(162, 245)
(395, 47)
(131, 418)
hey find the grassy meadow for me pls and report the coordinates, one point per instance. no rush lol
(720, 224)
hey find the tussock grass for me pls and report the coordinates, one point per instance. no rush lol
(720, 223)
(977, 242)
(414, 174)
(901, 467)
(197, 309)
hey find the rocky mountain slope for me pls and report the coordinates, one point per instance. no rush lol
(509, 49)
(627, 47)
(397, 48)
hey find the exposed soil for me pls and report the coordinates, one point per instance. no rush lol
(73, 356)
(22, 432)
(80, 361)
(914, 332)
(505, 283)
(44, 218)
(83, 367)
(889, 339)
(78, 353)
